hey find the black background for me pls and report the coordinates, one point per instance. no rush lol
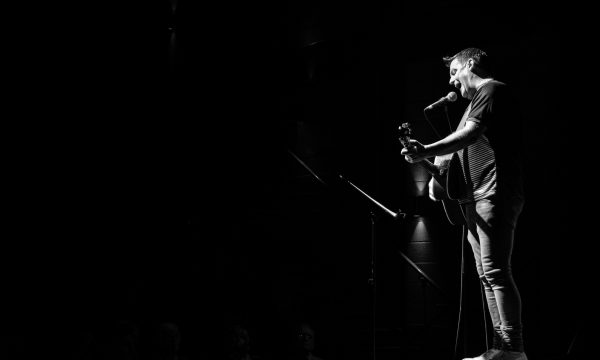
(149, 188)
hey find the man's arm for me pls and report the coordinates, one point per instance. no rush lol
(456, 141)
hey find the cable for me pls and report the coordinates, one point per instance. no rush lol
(483, 298)
(460, 301)
(431, 125)
(485, 322)
(448, 119)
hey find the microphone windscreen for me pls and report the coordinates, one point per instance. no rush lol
(451, 96)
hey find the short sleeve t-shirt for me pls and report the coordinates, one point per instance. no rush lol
(492, 165)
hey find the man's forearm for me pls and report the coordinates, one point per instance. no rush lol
(456, 141)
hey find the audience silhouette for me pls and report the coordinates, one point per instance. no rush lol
(166, 342)
(306, 343)
(237, 343)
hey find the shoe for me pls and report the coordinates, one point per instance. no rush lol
(491, 354)
(514, 355)
(495, 354)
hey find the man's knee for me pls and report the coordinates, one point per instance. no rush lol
(496, 278)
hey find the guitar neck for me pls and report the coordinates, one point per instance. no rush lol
(430, 167)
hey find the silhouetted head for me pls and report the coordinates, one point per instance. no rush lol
(168, 337)
(237, 342)
(306, 337)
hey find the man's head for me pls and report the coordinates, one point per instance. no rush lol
(306, 336)
(467, 68)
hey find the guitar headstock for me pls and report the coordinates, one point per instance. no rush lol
(405, 132)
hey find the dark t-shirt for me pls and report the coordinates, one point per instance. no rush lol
(493, 164)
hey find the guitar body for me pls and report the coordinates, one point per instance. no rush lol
(438, 183)
(455, 181)
(437, 192)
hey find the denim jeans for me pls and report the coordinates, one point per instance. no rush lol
(491, 224)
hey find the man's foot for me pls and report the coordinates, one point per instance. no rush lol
(514, 355)
(491, 354)
(495, 354)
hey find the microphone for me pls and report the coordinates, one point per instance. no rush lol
(451, 97)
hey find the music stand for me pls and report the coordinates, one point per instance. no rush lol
(396, 216)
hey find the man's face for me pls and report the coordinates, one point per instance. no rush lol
(459, 77)
(307, 338)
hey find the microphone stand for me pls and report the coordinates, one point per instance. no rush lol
(463, 239)
(396, 216)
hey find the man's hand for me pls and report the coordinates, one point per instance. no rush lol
(413, 152)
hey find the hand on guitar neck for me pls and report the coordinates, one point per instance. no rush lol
(411, 150)
(438, 184)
